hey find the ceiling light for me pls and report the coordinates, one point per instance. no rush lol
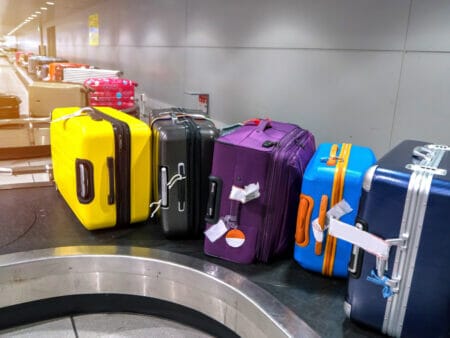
(34, 15)
(50, 3)
(44, 8)
(37, 12)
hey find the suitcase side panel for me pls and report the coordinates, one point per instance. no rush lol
(74, 140)
(429, 298)
(140, 164)
(172, 152)
(240, 166)
(382, 210)
(318, 181)
(204, 150)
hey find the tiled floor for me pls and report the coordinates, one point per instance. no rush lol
(105, 325)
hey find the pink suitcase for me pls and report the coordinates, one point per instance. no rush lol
(112, 92)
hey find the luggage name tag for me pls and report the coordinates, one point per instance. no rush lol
(227, 225)
(337, 211)
(216, 231)
(246, 194)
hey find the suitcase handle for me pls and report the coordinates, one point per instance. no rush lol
(85, 180)
(263, 125)
(305, 208)
(322, 220)
(213, 205)
(110, 164)
(357, 255)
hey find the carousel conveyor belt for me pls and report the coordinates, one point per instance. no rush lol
(136, 269)
(56, 282)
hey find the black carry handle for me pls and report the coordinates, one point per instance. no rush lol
(181, 188)
(357, 256)
(110, 164)
(85, 180)
(164, 190)
(213, 205)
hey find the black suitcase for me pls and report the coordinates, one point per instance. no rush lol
(9, 106)
(182, 149)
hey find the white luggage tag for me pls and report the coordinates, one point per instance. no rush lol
(337, 211)
(246, 194)
(243, 195)
(216, 231)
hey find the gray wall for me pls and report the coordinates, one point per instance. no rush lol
(371, 72)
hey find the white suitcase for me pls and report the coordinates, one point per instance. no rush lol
(79, 75)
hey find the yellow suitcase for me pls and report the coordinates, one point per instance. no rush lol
(101, 165)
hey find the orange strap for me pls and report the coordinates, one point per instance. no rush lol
(305, 208)
(322, 219)
(336, 196)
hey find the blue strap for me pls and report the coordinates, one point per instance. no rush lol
(382, 281)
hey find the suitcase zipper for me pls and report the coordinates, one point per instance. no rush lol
(122, 165)
(276, 181)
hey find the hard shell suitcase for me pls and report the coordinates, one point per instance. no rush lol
(101, 165)
(335, 172)
(9, 106)
(56, 69)
(38, 60)
(43, 97)
(183, 143)
(400, 283)
(79, 75)
(254, 190)
(112, 92)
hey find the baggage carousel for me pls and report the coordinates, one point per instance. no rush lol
(50, 266)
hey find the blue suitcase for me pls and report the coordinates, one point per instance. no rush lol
(335, 172)
(403, 287)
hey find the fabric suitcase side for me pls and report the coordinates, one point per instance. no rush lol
(272, 155)
(183, 143)
(9, 106)
(102, 174)
(403, 205)
(335, 173)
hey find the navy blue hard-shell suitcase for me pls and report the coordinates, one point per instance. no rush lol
(400, 283)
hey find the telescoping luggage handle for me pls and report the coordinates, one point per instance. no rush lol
(175, 113)
(427, 159)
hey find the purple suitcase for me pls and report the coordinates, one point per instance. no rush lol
(264, 153)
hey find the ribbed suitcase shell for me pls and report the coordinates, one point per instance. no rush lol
(112, 92)
(56, 69)
(188, 142)
(274, 155)
(87, 139)
(383, 199)
(79, 75)
(318, 180)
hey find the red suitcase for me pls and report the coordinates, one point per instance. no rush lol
(117, 93)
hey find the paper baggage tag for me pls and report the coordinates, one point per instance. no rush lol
(235, 238)
(337, 211)
(246, 194)
(216, 231)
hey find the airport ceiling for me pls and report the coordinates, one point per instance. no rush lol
(14, 12)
